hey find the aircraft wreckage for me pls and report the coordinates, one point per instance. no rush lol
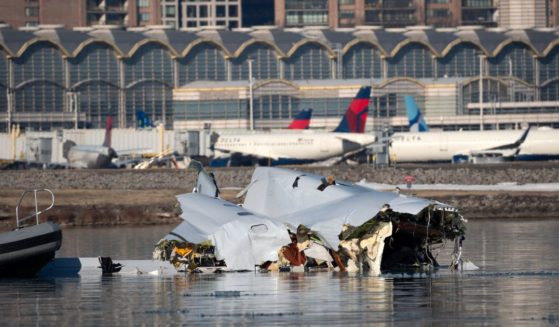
(291, 220)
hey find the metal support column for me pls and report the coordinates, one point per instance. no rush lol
(66, 70)
(281, 69)
(250, 95)
(10, 93)
(481, 92)
(176, 79)
(121, 95)
(384, 67)
(9, 103)
(537, 84)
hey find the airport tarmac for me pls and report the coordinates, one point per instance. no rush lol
(518, 172)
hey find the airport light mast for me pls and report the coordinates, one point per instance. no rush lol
(74, 106)
(481, 57)
(250, 95)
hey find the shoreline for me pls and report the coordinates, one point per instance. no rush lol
(147, 197)
(80, 208)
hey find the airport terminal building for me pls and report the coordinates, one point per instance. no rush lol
(51, 77)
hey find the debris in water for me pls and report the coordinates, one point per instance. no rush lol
(288, 222)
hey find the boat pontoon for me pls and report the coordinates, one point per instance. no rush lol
(29, 247)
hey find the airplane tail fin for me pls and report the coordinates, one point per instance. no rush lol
(66, 147)
(356, 115)
(415, 119)
(205, 181)
(516, 145)
(142, 120)
(302, 120)
(108, 129)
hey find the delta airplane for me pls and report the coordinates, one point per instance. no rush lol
(91, 156)
(470, 146)
(300, 147)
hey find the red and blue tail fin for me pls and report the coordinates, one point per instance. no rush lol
(356, 115)
(108, 128)
(302, 120)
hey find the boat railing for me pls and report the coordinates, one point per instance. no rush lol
(19, 221)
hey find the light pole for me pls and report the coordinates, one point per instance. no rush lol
(250, 96)
(481, 57)
(510, 90)
(9, 103)
(74, 96)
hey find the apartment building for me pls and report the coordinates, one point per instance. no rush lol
(524, 13)
(400, 13)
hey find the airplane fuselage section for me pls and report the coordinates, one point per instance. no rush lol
(442, 146)
(92, 157)
(302, 146)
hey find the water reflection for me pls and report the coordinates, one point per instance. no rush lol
(117, 242)
(515, 285)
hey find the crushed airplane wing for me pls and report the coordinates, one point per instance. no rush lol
(292, 218)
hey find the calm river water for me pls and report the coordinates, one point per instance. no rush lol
(517, 284)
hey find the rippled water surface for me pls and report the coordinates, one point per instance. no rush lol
(517, 284)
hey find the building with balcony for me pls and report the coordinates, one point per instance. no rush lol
(211, 13)
(524, 13)
(402, 13)
(80, 13)
(257, 13)
(479, 12)
(193, 13)
(553, 13)
(396, 13)
(170, 13)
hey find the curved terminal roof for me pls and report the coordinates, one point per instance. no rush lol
(177, 40)
(284, 42)
(122, 39)
(539, 39)
(13, 40)
(389, 40)
(490, 40)
(68, 40)
(231, 41)
(440, 40)
(338, 38)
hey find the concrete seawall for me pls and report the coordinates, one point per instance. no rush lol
(120, 197)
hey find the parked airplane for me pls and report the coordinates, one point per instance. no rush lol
(472, 146)
(303, 147)
(456, 147)
(91, 156)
